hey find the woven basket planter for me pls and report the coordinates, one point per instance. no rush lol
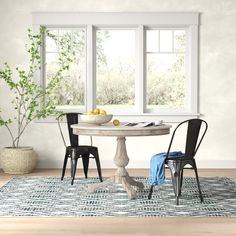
(20, 160)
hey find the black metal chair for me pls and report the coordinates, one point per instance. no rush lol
(76, 151)
(177, 164)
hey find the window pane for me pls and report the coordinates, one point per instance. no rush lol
(51, 45)
(115, 54)
(152, 40)
(166, 41)
(165, 81)
(52, 66)
(72, 85)
(179, 40)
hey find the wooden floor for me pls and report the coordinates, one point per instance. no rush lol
(98, 226)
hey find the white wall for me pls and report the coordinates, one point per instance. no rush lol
(217, 100)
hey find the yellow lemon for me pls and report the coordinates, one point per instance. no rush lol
(90, 113)
(96, 111)
(116, 122)
(102, 112)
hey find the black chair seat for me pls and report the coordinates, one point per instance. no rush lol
(83, 149)
(174, 158)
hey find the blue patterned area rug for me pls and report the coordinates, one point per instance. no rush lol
(49, 196)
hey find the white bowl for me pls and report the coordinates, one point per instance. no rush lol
(96, 119)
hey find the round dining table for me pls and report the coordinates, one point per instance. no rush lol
(121, 158)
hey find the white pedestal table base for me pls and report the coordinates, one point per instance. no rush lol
(121, 176)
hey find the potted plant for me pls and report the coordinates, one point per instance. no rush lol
(31, 101)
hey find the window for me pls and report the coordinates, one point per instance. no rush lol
(71, 90)
(131, 64)
(165, 68)
(115, 69)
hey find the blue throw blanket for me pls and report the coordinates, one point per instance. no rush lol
(157, 167)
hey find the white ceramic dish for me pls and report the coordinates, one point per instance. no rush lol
(96, 119)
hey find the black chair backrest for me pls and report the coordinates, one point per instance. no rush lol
(192, 144)
(72, 118)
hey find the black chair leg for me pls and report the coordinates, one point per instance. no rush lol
(181, 182)
(176, 179)
(150, 192)
(64, 166)
(176, 170)
(98, 166)
(178, 188)
(72, 166)
(85, 160)
(74, 170)
(198, 183)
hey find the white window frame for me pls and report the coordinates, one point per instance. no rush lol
(139, 21)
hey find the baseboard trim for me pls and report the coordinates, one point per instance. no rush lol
(108, 164)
